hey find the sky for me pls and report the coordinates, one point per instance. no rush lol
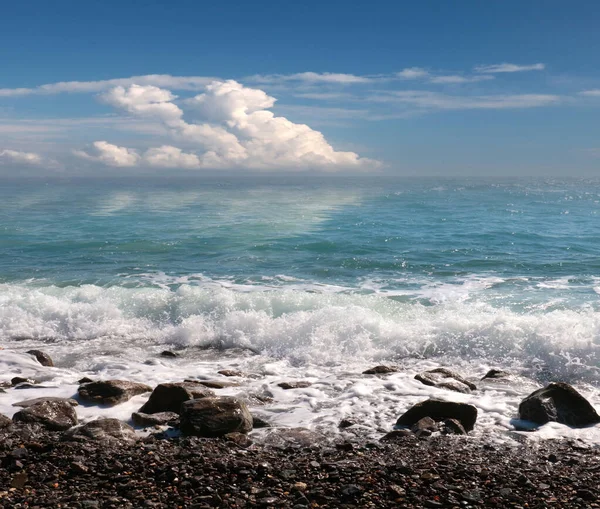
(428, 88)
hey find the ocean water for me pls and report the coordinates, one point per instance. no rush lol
(305, 278)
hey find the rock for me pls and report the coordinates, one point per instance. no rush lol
(293, 437)
(301, 384)
(19, 480)
(215, 416)
(453, 427)
(84, 380)
(169, 397)
(380, 370)
(5, 422)
(20, 380)
(30, 402)
(230, 372)
(42, 357)
(558, 402)
(445, 379)
(168, 353)
(259, 422)
(103, 429)
(346, 423)
(397, 434)
(440, 410)
(239, 439)
(111, 392)
(159, 418)
(495, 374)
(215, 384)
(424, 427)
(53, 415)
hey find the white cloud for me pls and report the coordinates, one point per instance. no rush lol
(499, 68)
(436, 101)
(456, 79)
(591, 93)
(109, 154)
(19, 157)
(412, 73)
(237, 130)
(311, 78)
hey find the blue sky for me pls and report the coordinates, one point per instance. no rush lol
(421, 88)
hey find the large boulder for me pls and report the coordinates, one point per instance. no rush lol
(109, 430)
(439, 411)
(42, 357)
(111, 392)
(445, 379)
(215, 417)
(53, 415)
(30, 402)
(158, 419)
(558, 402)
(169, 397)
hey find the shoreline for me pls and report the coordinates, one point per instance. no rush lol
(46, 469)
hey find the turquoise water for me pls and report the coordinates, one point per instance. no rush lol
(380, 266)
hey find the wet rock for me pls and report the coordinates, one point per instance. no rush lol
(440, 410)
(84, 380)
(215, 416)
(30, 402)
(380, 370)
(396, 435)
(42, 357)
(103, 430)
(495, 374)
(346, 423)
(169, 354)
(5, 422)
(53, 415)
(169, 397)
(20, 380)
(157, 419)
(259, 422)
(453, 427)
(293, 437)
(424, 427)
(301, 384)
(111, 392)
(445, 379)
(558, 402)
(239, 439)
(215, 384)
(230, 372)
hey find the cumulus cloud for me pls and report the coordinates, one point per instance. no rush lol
(109, 154)
(500, 68)
(236, 129)
(20, 158)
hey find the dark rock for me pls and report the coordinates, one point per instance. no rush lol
(453, 427)
(445, 379)
(42, 357)
(157, 419)
(5, 422)
(84, 380)
(111, 392)
(397, 434)
(293, 437)
(215, 417)
(20, 380)
(346, 423)
(424, 427)
(440, 410)
(168, 353)
(259, 422)
(230, 372)
(19, 480)
(53, 415)
(35, 401)
(239, 439)
(495, 374)
(558, 402)
(169, 397)
(380, 370)
(215, 384)
(103, 429)
(302, 384)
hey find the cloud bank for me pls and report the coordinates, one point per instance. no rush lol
(20, 158)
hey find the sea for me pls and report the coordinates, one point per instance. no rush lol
(310, 278)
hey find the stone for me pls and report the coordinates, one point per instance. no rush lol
(293, 437)
(215, 384)
(397, 434)
(103, 430)
(20, 380)
(380, 370)
(42, 357)
(453, 427)
(230, 372)
(168, 353)
(157, 419)
(259, 422)
(170, 396)
(558, 402)
(494, 374)
(215, 417)
(5, 422)
(424, 427)
(445, 379)
(239, 439)
(53, 415)
(440, 410)
(30, 402)
(346, 423)
(302, 384)
(84, 380)
(111, 392)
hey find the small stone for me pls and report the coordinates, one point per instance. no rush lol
(445, 379)
(230, 372)
(380, 370)
(111, 392)
(495, 374)
(19, 480)
(20, 380)
(302, 384)
(346, 423)
(42, 357)
(168, 353)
